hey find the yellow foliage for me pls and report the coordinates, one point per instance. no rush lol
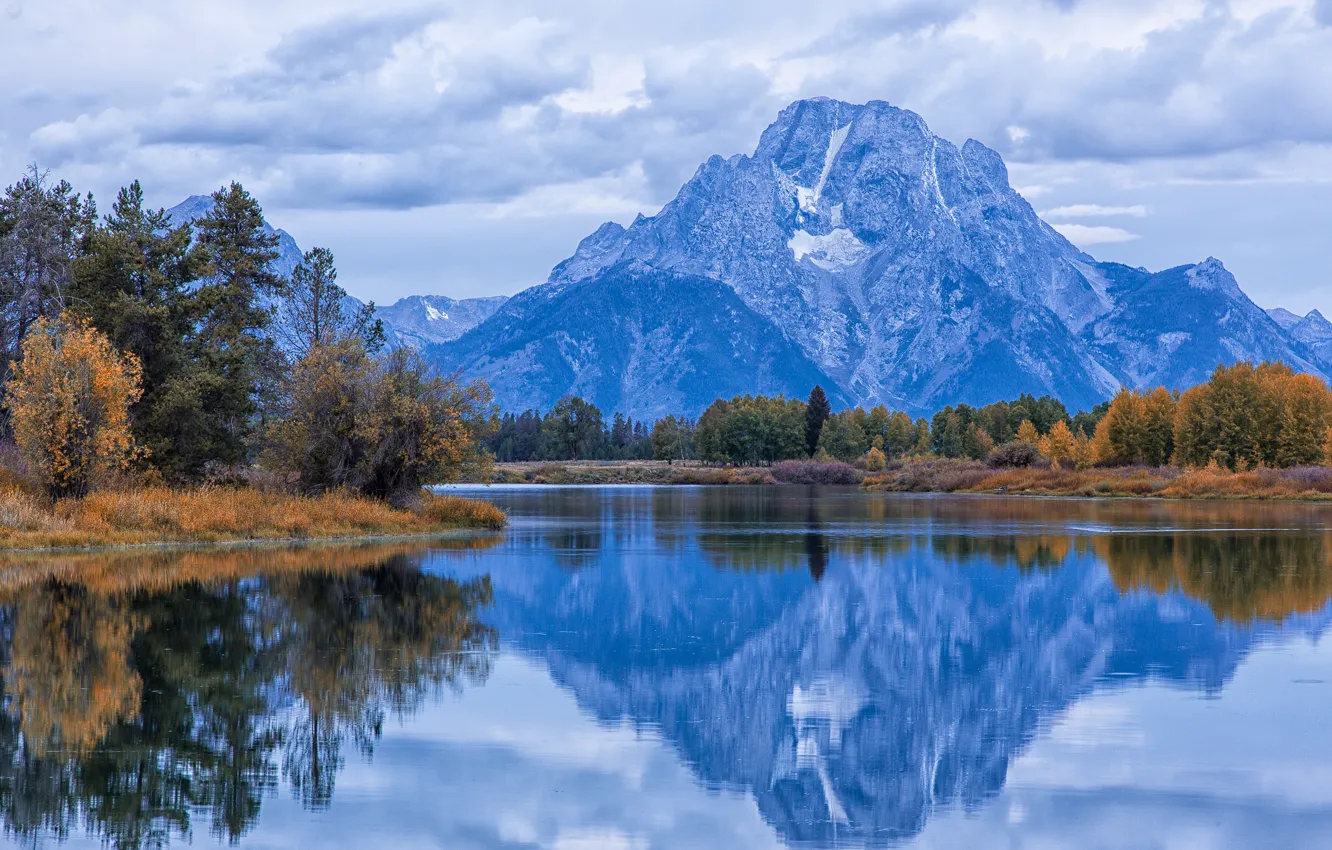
(1139, 428)
(209, 514)
(1327, 448)
(1026, 433)
(1060, 446)
(875, 460)
(69, 404)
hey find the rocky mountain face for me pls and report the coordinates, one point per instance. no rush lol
(637, 339)
(903, 267)
(424, 319)
(1312, 330)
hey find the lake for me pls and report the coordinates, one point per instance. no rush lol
(689, 668)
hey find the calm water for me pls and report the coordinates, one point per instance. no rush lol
(690, 668)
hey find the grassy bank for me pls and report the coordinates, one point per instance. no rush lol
(960, 476)
(222, 514)
(947, 476)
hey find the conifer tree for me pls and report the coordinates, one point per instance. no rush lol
(238, 358)
(315, 311)
(817, 411)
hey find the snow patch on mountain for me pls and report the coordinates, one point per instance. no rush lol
(834, 251)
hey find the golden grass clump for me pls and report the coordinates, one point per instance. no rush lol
(219, 514)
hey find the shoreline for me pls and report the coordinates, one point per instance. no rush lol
(1311, 485)
(211, 516)
(190, 545)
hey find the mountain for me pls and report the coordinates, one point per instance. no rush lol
(608, 337)
(1315, 332)
(415, 321)
(423, 319)
(903, 267)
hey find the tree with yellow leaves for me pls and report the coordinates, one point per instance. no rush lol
(1139, 428)
(1027, 433)
(1327, 448)
(1060, 446)
(69, 401)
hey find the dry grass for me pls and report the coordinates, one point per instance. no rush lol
(626, 472)
(217, 514)
(957, 476)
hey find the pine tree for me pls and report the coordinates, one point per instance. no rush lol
(237, 357)
(817, 411)
(315, 311)
(132, 285)
(44, 228)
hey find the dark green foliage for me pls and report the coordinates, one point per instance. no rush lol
(44, 228)
(315, 311)
(817, 411)
(132, 285)
(517, 438)
(1085, 421)
(574, 430)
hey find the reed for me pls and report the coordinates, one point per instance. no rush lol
(219, 514)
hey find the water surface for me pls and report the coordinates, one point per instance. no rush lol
(689, 667)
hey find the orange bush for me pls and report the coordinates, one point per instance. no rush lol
(69, 405)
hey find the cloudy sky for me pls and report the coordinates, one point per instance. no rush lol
(464, 148)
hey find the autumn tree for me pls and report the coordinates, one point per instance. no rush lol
(1060, 445)
(384, 426)
(1248, 415)
(68, 402)
(1137, 428)
(1027, 433)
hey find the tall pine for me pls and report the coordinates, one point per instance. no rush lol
(238, 358)
(817, 411)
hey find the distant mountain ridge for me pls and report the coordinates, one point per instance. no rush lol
(857, 250)
(905, 268)
(416, 320)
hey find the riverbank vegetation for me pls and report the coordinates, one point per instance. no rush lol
(1250, 431)
(163, 382)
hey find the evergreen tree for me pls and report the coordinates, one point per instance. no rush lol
(132, 285)
(315, 311)
(237, 356)
(817, 411)
(44, 227)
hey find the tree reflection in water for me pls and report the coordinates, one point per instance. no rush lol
(140, 693)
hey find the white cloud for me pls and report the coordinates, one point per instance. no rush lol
(1084, 235)
(1095, 211)
(342, 106)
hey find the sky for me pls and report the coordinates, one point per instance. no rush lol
(463, 149)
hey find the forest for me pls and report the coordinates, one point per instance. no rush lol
(1244, 417)
(145, 354)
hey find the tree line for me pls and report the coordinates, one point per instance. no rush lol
(1243, 417)
(135, 343)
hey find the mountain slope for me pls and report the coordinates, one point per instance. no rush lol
(415, 320)
(634, 339)
(423, 319)
(912, 274)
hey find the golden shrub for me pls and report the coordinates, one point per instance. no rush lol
(69, 403)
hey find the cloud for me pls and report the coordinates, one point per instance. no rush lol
(1084, 235)
(1095, 211)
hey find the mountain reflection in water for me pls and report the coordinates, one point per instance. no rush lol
(854, 668)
